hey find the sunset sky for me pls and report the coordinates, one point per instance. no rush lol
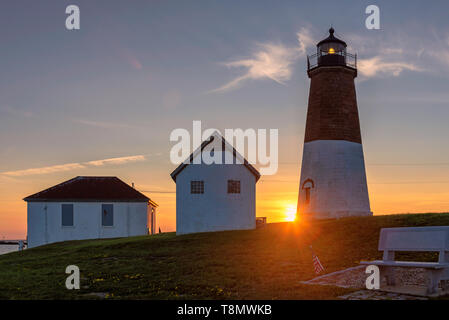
(70, 101)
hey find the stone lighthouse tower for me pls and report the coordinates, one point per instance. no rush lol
(333, 178)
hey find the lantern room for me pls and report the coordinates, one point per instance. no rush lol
(331, 52)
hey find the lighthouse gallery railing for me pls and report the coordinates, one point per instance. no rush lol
(327, 59)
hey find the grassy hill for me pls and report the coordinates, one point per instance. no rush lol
(266, 263)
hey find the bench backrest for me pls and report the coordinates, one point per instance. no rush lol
(415, 239)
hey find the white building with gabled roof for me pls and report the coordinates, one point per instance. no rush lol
(217, 196)
(88, 208)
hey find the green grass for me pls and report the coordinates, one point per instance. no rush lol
(266, 263)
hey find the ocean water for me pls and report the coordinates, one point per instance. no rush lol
(8, 248)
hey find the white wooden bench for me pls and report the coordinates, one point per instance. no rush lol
(419, 239)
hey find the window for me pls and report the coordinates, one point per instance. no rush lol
(67, 215)
(196, 187)
(107, 216)
(233, 186)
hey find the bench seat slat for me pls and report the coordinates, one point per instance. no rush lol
(411, 264)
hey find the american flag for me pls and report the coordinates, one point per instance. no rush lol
(316, 263)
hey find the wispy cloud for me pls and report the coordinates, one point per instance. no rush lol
(441, 55)
(16, 111)
(391, 54)
(384, 56)
(73, 166)
(102, 124)
(158, 191)
(122, 160)
(269, 61)
(305, 40)
(111, 125)
(44, 170)
(377, 66)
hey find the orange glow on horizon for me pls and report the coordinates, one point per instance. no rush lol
(392, 190)
(290, 212)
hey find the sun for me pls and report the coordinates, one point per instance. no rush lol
(290, 212)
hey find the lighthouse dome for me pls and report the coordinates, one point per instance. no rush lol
(331, 42)
(331, 52)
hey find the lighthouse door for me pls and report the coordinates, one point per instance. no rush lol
(307, 185)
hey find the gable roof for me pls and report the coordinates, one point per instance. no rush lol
(90, 189)
(225, 145)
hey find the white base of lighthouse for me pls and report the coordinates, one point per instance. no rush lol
(333, 180)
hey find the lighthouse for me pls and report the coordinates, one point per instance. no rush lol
(333, 178)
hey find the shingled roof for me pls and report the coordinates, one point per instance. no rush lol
(90, 189)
